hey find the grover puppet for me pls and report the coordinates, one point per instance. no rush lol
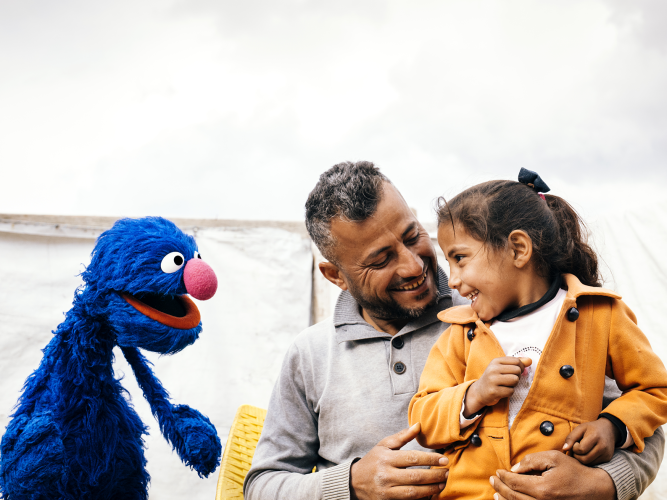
(73, 434)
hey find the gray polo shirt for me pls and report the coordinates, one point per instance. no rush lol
(343, 387)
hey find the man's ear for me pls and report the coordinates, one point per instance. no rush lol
(332, 273)
(522, 246)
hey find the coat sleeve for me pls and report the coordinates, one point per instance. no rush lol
(639, 373)
(442, 387)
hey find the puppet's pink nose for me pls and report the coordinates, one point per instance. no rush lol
(200, 280)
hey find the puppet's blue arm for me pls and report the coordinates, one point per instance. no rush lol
(190, 433)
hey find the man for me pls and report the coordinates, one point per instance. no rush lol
(346, 382)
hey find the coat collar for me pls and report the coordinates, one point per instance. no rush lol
(463, 315)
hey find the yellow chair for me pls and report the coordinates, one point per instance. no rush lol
(240, 448)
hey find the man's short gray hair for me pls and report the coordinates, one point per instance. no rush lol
(349, 191)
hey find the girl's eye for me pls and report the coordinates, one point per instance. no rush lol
(458, 258)
(172, 262)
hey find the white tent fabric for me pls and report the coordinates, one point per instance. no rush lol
(632, 246)
(263, 301)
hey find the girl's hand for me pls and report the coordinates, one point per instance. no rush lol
(592, 443)
(497, 382)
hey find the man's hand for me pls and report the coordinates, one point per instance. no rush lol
(382, 473)
(562, 477)
(497, 382)
(592, 443)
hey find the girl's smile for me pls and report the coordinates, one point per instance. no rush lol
(494, 280)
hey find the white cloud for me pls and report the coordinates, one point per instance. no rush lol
(233, 109)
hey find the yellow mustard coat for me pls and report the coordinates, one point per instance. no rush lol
(603, 340)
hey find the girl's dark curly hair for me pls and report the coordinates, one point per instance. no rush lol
(490, 211)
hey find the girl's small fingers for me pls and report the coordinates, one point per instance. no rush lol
(588, 458)
(526, 361)
(510, 380)
(586, 444)
(573, 437)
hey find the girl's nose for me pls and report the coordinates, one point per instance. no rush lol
(454, 280)
(200, 280)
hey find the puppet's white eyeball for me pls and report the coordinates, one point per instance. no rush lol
(172, 262)
(197, 255)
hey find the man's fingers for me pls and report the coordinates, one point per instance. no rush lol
(413, 458)
(400, 439)
(511, 483)
(414, 492)
(503, 492)
(536, 462)
(574, 437)
(416, 477)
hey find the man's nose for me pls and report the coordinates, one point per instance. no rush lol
(410, 265)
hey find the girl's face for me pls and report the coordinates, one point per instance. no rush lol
(484, 276)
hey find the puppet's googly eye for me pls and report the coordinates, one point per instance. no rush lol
(197, 255)
(172, 262)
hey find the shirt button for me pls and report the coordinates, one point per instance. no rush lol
(547, 428)
(573, 314)
(566, 371)
(476, 440)
(471, 334)
(399, 367)
(398, 343)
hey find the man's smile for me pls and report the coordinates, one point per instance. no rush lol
(414, 284)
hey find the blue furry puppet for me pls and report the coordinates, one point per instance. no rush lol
(73, 434)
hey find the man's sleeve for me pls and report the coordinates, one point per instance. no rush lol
(288, 447)
(633, 472)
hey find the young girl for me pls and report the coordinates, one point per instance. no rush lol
(522, 369)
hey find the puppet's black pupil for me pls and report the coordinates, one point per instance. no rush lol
(178, 260)
(199, 256)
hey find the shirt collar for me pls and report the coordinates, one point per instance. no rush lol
(350, 325)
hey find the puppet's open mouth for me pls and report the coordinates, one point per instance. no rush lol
(168, 304)
(176, 311)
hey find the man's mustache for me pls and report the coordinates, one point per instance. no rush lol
(402, 281)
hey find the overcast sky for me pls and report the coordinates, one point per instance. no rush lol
(230, 109)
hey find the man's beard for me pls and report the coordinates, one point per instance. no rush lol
(389, 309)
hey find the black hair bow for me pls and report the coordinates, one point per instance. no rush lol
(533, 180)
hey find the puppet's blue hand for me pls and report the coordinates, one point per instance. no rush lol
(33, 463)
(198, 444)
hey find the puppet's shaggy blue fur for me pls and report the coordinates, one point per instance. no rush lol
(74, 435)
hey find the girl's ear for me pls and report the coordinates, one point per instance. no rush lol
(522, 247)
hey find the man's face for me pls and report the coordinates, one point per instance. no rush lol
(387, 262)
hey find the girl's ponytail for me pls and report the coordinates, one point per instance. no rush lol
(575, 256)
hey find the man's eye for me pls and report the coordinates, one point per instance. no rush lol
(412, 240)
(381, 263)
